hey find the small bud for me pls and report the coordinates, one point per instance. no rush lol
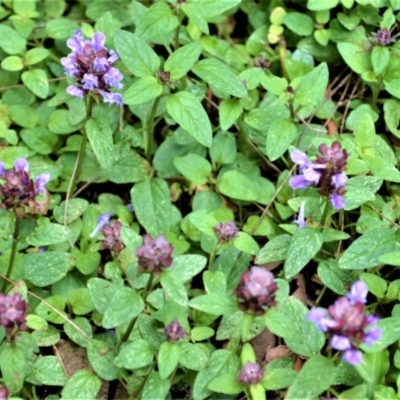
(112, 237)
(4, 393)
(174, 331)
(164, 76)
(383, 37)
(225, 232)
(251, 373)
(154, 254)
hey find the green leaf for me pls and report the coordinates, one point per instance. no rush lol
(123, 308)
(10, 41)
(280, 136)
(47, 234)
(211, 8)
(152, 205)
(215, 303)
(391, 110)
(102, 292)
(382, 168)
(365, 132)
(135, 355)
(393, 87)
(59, 123)
(223, 149)
(13, 368)
(361, 189)
(380, 58)
(158, 20)
(246, 243)
(137, 55)
(80, 301)
(168, 358)
(391, 258)
(61, 28)
(43, 269)
(229, 111)
(47, 310)
(76, 207)
(299, 23)
(316, 376)
(193, 167)
(332, 277)
(36, 81)
(101, 139)
(288, 320)
(195, 15)
(155, 387)
(49, 371)
(274, 84)
(227, 384)
(365, 251)
(317, 5)
(40, 140)
(192, 356)
(376, 285)
(12, 63)
(275, 250)
(131, 168)
(143, 90)
(101, 357)
(278, 378)
(82, 384)
(174, 288)
(187, 266)
(187, 111)
(182, 60)
(203, 222)
(202, 332)
(220, 77)
(312, 87)
(23, 115)
(75, 335)
(35, 55)
(355, 57)
(306, 243)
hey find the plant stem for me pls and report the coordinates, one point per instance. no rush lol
(212, 257)
(150, 129)
(320, 295)
(127, 332)
(325, 214)
(15, 238)
(79, 161)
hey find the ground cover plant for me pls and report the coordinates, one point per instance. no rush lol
(199, 199)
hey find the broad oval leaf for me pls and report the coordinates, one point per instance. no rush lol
(143, 90)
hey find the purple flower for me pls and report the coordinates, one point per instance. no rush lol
(75, 91)
(324, 173)
(110, 97)
(358, 292)
(41, 182)
(174, 331)
(13, 311)
(345, 321)
(102, 221)
(383, 37)
(300, 218)
(225, 232)
(112, 237)
(90, 65)
(251, 373)
(154, 254)
(256, 290)
(21, 165)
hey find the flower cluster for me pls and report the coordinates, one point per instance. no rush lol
(251, 373)
(18, 191)
(325, 173)
(154, 254)
(225, 232)
(347, 323)
(12, 311)
(174, 331)
(112, 237)
(256, 290)
(91, 65)
(383, 37)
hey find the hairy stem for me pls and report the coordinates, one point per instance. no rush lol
(150, 129)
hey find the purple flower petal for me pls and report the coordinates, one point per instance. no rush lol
(109, 97)
(102, 221)
(77, 43)
(21, 165)
(299, 157)
(75, 91)
(100, 64)
(337, 201)
(358, 292)
(40, 182)
(299, 182)
(372, 336)
(2, 169)
(312, 175)
(339, 180)
(320, 318)
(340, 342)
(113, 77)
(98, 40)
(90, 81)
(113, 56)
(353, 357)
(300, 218)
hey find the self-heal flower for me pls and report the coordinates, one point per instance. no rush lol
(154, 254)
(174, 331)
(12, 311)
(256, 290)
(90, 65)
(102, 221)
(346, 323)
(324, 173)
(300, 218)
(226, 231)
(112, 237)
(20, 193)
(251, 373)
